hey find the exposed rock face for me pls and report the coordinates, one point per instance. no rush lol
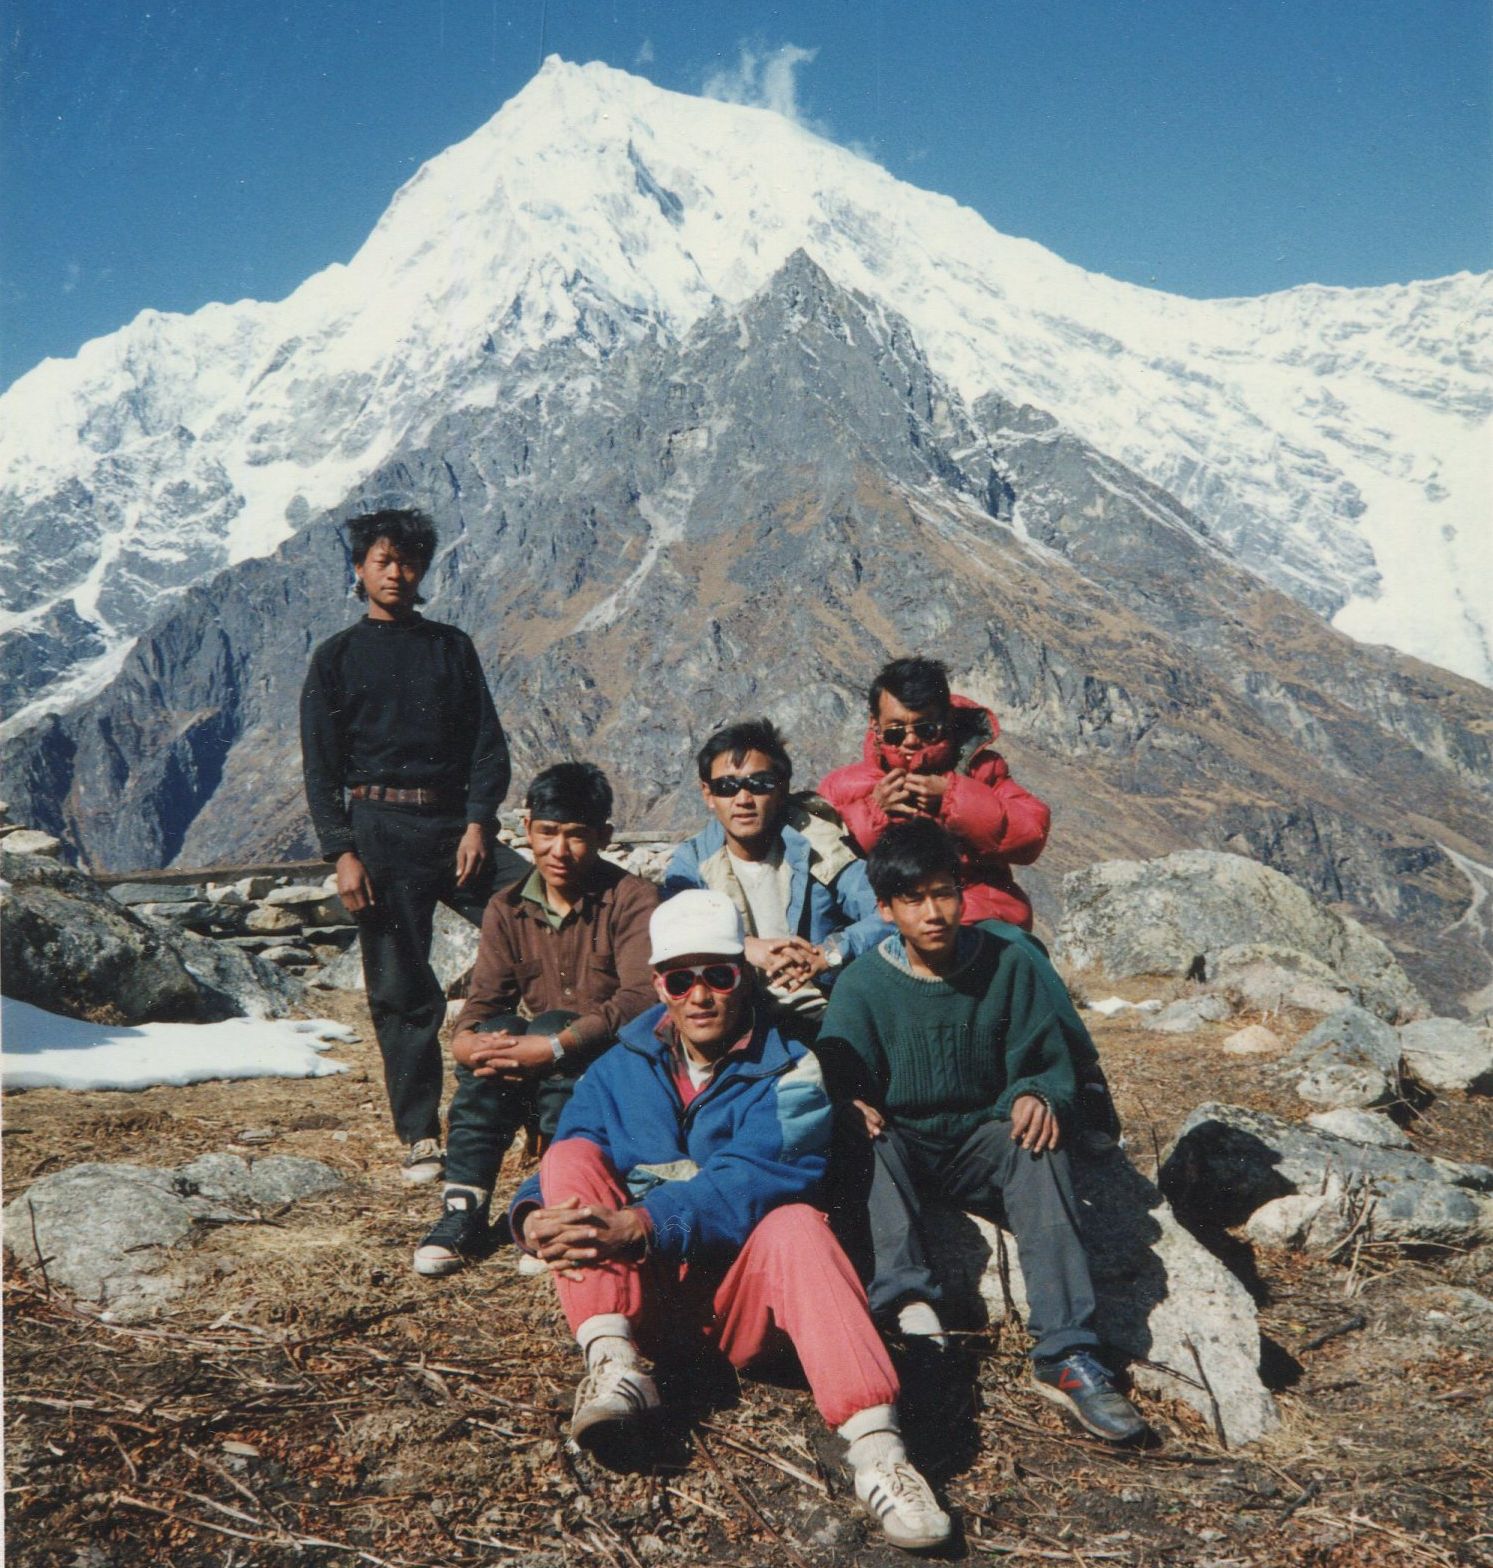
(1361, 1127)
(453, 951)
(1180, 914)
(70, 948)
(1301, 1186)
(618, 542)
(117, 1235)
(1161, 1294)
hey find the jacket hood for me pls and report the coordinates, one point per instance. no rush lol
(976, 730)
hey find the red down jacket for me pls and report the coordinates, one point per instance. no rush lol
(995, 819)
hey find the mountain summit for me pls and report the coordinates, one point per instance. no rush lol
(1335, 441)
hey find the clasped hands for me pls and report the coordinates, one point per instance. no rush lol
(902, 794)
(572, 1236)
(500, 1054)
(788, 962)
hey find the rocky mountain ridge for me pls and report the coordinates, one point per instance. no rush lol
(754, 519)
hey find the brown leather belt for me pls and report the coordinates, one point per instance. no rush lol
(440, 799)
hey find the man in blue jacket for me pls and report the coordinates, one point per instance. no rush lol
(676, 1202)
(786, 864)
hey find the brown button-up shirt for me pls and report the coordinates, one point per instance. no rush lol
(593, 962)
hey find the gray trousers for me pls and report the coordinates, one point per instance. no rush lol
(1030, 1194)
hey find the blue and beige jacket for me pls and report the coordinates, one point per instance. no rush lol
(755, 1137)
(830, 902)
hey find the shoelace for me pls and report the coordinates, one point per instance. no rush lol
(906, 1485)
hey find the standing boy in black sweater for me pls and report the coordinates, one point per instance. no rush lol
(396, 712)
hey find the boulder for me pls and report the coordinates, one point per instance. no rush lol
(117, 1235)
(453, 951)
(184, 912)
(1350, 1061)
(269, 920)
(1227, 1164)
(1361, 1127)
(67, 946)
(1161, 1294)
(234, 983)
(1254, 1040)
(1272, 978)
(1189, 1015)
(1445, 1054)
(295, 893)
(1178, 915)
(32, 841)
(285, 953)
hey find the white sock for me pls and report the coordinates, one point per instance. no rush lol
(607, 1337)
(479, 1193)
(873, 1434)
(918, 1317)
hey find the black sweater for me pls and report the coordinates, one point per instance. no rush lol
(403, 704)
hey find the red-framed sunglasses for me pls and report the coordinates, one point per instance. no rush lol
(721, 978)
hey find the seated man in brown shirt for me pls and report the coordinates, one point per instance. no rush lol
(561, 966)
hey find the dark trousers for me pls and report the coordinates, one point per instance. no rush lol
(410, 856)
(1031, 1195)
(487, 1113)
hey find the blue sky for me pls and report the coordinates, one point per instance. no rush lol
(165, 153)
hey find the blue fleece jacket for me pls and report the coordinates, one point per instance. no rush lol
(755, 1137)
(841, 912)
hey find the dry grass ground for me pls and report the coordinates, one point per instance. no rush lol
(316, 1402)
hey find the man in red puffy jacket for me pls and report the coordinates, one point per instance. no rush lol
(929, 753)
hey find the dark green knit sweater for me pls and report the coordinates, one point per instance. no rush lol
(948, 1054)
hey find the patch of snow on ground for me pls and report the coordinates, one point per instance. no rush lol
(1117, 1004)
(44, 1051)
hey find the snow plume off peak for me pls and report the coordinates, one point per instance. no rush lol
(1335, 441)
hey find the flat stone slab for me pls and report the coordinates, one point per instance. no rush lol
(1448, 1055)
(119, 1236)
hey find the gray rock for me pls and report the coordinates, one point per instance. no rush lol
(1345, 1084)
(1272, 979)
(1361, 1127)
(132, 893)
(1160, 1293)
(453, 951)
(1445, 1054)
(32, 841)
(186, 912)
(1371, 1038)
(267, 921)
(70, 948)
(295, 893)
(284, 953)
(1181, 914)
(1227, 1165)
(243, 985)
(116, 1235)
(253, 889)
(1189, 1015)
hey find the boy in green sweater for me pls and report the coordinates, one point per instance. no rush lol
(972, 1055)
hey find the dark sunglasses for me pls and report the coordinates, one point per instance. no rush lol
(734, 783)
(922, 730)
(720, 978)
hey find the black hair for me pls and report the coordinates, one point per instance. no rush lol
(571, 792)
(409, 531)
(915, 683)
(909, 853)
(740, 738)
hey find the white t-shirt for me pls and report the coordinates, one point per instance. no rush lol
(765, 884)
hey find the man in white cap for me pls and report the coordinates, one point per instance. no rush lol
(676, 1200)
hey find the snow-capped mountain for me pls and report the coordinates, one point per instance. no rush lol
(1336, 441)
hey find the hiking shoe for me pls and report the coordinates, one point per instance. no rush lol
(1083, 1388)
(459, 1232)
(424, 1161)
(902, 1503)
(612, 1398)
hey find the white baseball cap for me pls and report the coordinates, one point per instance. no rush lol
(697, 921)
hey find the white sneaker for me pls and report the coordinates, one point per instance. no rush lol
(425, 1161)
(902, 1503)
(612, 1396)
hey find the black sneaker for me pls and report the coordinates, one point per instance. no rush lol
(1079, 1385)
(460, 1231)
